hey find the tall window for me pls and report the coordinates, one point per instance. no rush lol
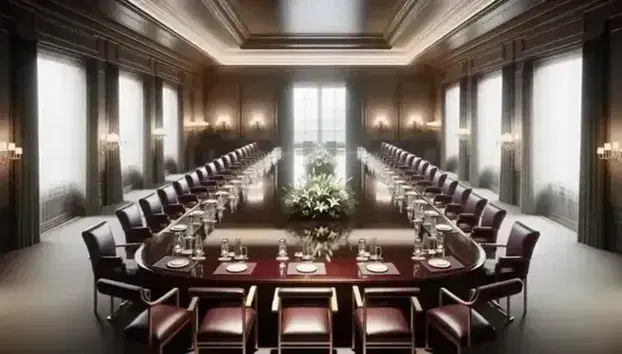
(452, 124)
(131, 128)
(61, 93)
(556, 135)
(170, 115)
(319, 116)
(489, 110)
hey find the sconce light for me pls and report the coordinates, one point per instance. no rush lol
(610, 151)
(195, 126)
(434, 125)
(222, 124)
(257, 124)
(158, 133)
(381, 124)
(509, 141)
(9, 152)
(463, 133)
(109, 142)
(416, 123)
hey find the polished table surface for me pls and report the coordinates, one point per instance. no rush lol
(259, 222)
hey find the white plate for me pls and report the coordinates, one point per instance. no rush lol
(431, 213)
(177, 228)
(236, 267)
(443, 227)
(177, 263)
(377, 268)
(307, 268)
(211, 201)
(439, 263)
(196, 213)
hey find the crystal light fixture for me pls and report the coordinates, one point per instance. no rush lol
(9, 152)
(610, 151)
(158, 133)
(109, 142)
(508, 141)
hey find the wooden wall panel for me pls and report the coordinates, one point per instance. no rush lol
(380, 104)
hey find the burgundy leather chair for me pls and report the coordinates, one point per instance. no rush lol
(467, 215)
(169, 196)
(170, 202)
(182, 187)
(428, 177)
(458, 195)
(196, 180)
(154, 213)
(210, 172)
(132, 223)
(438, 179)
(106, 264)
(460, 322)
(228, 321)
(489, 224)
(518, 252)
(160, 322)
(305, 317)
(381, 325)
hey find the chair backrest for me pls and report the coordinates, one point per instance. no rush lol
(475, 204)
(233, 157)
(498, 290)
(461, 193)
(193, 179)
(430, 172)
(423, 167)
(211, 168)
(492, 216)
(168, 195)
(439, 179)
(99, 242)
(220, 164)
(416, 162)
(150, 205)
(522, 240)
(129, 216)
(387, 296)
(449, 186)
(409, 160)
(312, 297)
(203, 172)
(226, 160)
(402, 156)
(181, 186)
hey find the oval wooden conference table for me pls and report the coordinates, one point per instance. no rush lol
(258, 222)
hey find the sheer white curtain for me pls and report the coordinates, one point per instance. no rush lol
(333, 120)
(131, 126)
(452, 122)
(170, 112)
(489, 110)
(61, 91)
(556, 129)
(306, 115)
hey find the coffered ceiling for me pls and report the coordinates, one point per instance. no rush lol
(312, 32)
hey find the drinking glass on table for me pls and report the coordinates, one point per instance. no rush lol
(362, 247)
(224, 248)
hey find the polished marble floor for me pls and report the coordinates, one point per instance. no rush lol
(575, 291)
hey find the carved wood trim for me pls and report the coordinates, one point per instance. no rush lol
(404, 12)
(312, 41)
(229, 19)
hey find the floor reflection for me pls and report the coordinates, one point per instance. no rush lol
(300, 172)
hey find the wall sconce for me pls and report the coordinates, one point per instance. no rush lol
(223, 125)
(109, 142)
(463, 133)
(9, 152)
(434, 125)
(416, 124)
(610, 151)
(508, 141)
(158, 133)
(381, 125)
(195, 126)
(257, 124)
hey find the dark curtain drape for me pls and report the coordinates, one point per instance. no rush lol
(593, 203)
(354, 133)
(26, 177)
(113, 180)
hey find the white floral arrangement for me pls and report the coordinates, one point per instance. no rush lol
(321, 161)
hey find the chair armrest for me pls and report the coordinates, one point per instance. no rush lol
(492, 245)
(163, 298)
(216, 292)
(435, 190)
(119, 289)
(198, 190)
(110, 261)
(125, 245)
(444, 291)
(276, 301)
(414, 301)
(334, 307)
(192, 307)
(453, 208)
(442, 198)
(211, 182)
(251, 296)
(467, 218)
(415, 178)
(160, 218)
(484, 232)
(174, 209)
(426, 184)
(188, 198)
(356, 295)
(511, 261)
(139, 234)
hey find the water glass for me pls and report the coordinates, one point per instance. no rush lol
(362, 247)
(243, 255)
(238, 246)
(440, 242)
(282, 247)
(418, 254)
(377, 253)
(224, 247)
(178, 242)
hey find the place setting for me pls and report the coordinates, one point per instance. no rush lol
(234, 263)
(371, 263)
